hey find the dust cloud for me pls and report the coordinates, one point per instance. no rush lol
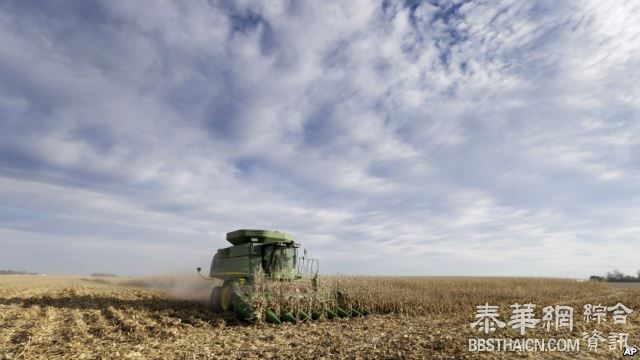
(182, 286)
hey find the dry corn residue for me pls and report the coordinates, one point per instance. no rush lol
(167, 317)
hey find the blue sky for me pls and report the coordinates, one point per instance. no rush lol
(433, 138)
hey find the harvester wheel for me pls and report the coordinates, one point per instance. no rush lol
(214, 301)
(225, 297)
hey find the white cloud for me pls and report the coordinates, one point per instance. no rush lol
(475, 138)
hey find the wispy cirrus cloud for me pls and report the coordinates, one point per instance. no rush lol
(431, 137)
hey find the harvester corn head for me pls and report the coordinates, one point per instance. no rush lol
(264, 279)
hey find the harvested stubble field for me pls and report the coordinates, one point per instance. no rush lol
(164, 318)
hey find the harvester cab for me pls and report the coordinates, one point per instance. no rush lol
(273, 253)
(263, 256)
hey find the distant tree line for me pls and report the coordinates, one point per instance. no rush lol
(616, 276)
(16, 272)
(103, 275)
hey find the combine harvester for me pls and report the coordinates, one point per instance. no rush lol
(264, 279)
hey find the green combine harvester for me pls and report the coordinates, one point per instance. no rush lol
(255, 270)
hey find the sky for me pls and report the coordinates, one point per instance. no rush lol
(388, 137)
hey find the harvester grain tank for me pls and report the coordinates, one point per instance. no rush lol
(273, 257)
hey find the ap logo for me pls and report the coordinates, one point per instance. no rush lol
(630, 351)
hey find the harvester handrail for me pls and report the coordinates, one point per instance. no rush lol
(307, 267)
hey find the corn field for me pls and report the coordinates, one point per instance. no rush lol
(167, 317)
